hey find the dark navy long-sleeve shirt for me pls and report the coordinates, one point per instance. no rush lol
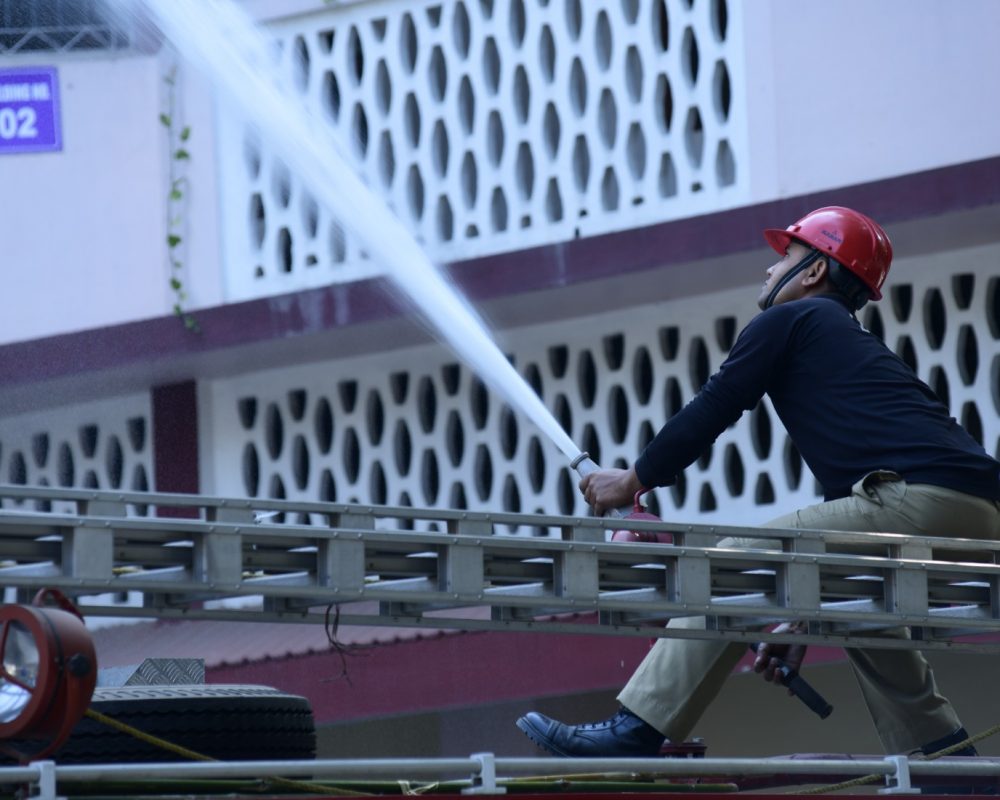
(850, 405)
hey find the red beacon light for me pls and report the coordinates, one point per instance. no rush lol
(639, 512)
(49, 671)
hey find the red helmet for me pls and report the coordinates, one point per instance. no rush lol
(852, 239)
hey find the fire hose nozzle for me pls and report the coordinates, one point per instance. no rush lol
(584, 465)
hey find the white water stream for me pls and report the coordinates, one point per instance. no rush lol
(219, 37)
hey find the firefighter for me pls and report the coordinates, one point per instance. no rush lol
(887, 453)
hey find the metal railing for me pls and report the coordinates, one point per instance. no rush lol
(485, 773)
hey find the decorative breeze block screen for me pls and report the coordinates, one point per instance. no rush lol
(492, 125)
(104, 444)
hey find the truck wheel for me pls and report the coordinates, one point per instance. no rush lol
(225, 722)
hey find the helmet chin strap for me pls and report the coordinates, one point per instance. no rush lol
(803, 264)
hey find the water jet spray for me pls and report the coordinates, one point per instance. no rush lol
(221, 39)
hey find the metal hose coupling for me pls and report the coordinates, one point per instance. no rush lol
(583, 464)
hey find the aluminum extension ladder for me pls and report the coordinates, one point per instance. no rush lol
(200, 557)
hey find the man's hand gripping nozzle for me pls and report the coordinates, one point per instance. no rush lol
(584, 466)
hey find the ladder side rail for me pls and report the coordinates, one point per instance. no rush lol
(532, 548)
(833, 538)
(306, 536)
(152, 499)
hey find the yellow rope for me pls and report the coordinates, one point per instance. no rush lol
(118, 725)
(864, 779)
(584, 776)
(177, 749)
(406, 787)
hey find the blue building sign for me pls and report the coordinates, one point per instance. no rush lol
(29, 110)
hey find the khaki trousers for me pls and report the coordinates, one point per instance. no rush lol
(680, 677)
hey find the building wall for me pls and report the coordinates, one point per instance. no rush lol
(86, 226)
(84, 229)
(820, 96)
(854, 91)
(105, 444)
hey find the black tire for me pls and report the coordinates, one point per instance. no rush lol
(229, 723)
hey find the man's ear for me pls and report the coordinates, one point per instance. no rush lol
(816, 273)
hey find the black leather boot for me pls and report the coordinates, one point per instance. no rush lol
(939, 784)
(622, 736)
(947, 741)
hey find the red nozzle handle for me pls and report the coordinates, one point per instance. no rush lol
(636, 501)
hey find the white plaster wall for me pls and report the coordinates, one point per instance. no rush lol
(850, 91)
(83, 230)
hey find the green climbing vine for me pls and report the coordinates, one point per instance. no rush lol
(177, 138)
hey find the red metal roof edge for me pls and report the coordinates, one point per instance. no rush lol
(225, 644)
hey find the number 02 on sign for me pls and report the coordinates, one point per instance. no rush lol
(29, 110)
